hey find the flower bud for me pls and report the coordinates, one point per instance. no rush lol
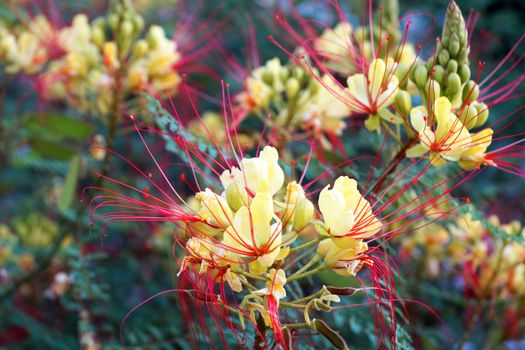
(236, 196)
(113, 21)
(471, 91)
(140, 49)
(138, 23)
(401, 73)
(438, 73)
(453, 85)
(443, 57)
(126, 29)
(403, 102)
(303, 214)
(452, 66)
(483, 114)
(420, 76)
(469, 116)
(97, 35)
(292, 88)
(464, 73)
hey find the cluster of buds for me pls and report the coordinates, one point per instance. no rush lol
(292, 98)
(26, 50)
(101, 62)
(486, 253)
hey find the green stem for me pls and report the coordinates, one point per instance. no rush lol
(250, 275)
(309, 264)
(295, 325)
(305, 245)
(307, 273)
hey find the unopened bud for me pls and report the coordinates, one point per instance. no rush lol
(113, 21)
(97, 35)
(469, 116)
(140, 49)
(420, 76)
(454, 46)
(126, 29)
(464, 73)
(401, 74)
(471, 91)
(292, 88)
(403, 102)
(138, 23)
(438, 74)
(236, 196)
(452, 66)
(483, 114)
(303, 214)
(453, 85)
(443, 57)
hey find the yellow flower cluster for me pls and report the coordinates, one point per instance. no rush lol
(25, 51)
(94, 67)
(450, 140)
(498, 261)
(90, 69)
(255, 219)
(293, 98)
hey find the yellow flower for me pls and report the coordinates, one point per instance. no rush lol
(253, 235)
(274, 285)
(373, 92)
(335, 42)
(261, 174)
(324, 109)
(346, 213)
(214, 209)
(347, 261)
(449, 139)
(472, 157)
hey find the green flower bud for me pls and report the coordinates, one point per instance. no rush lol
(267, 77)
(97, 35)
(113, 21)
(469, 116)
(401, 74)
(464, 73)
(236, 196)
(126, 29)
(437, 74)
(284, 73)
(314, 86)
(403, 102)
(463, 56)
(483, 114)
(453, 84)
(443, 57)
(138, 23)
(420, 76)
(292, 88)
(140, 49)
(471, 91)
(304, 213)
(452, 66)
(454, 46)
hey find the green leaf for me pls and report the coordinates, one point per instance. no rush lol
(58, 127)
(70, 186)
(51, 149)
